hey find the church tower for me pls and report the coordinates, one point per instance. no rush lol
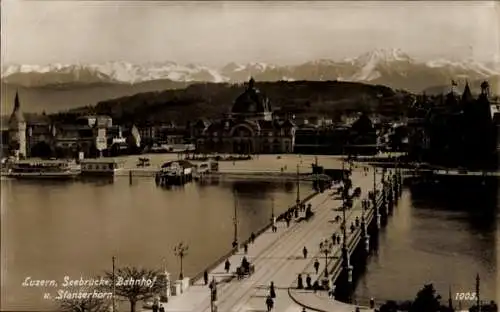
(17, 131)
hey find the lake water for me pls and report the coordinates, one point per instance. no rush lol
(442, 234)
(50, 230)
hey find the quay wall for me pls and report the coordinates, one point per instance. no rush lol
(227, 175)
(217, 262)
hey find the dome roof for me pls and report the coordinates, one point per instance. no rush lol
(251, 101)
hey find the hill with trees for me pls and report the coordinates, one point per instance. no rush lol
(212, 100)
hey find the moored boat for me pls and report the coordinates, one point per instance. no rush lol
(175, 172)
(44, 169)
(107, 167)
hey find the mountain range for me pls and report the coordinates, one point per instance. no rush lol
(393, 68)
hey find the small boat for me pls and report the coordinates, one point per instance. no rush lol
(143, 162)
(44, 169)
(100, 167)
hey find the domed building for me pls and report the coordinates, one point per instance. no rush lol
(250, 128)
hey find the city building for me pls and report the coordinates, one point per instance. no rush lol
(26, 135)
(455, 129)
(250, 128)
(37, 135)
(87, 135)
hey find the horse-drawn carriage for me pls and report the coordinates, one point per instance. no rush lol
(245, 269)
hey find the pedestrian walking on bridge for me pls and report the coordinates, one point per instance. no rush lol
(304, 252)
(308, 282)
(269, 303)
(300, 284)
(205, 277)
(245, 248)
(227, 265)
(316, 265)
(272, 291)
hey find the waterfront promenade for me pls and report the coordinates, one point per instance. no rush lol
(277, 257)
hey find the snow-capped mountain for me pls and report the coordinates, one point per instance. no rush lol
(369, 64)
(391, 67)
(110, 72)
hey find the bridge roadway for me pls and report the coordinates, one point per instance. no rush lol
(277, 257)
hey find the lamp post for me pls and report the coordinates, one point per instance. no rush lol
(297, 201)
(326, 247)
(272, 209)
(374, 187)
(344, 223)
(167, 280)
(235, 220)
(181, 251)
(213, 295)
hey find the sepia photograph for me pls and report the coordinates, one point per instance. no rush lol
(249, 156)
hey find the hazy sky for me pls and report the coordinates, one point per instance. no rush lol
(215, 33)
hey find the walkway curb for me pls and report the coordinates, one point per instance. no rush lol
(298, 302)
(302, 304)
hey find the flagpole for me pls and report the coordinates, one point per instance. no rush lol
(114, 284)
(450, 302)
(477, 293)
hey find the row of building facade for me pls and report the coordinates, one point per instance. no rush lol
(250, 128)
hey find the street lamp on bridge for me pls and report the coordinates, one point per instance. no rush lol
(181, 251)
(297, 201)
(235, 221)
(213, 295)
(272, 209)
(326, 247)
(345, 192)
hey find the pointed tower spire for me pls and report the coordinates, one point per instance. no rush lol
(467, 95)
(16, 101)
(17, 115)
